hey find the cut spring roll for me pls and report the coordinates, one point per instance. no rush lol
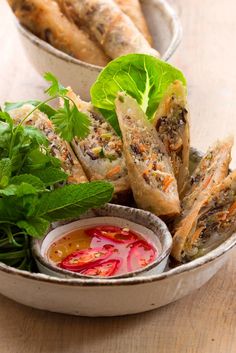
(132, 8)
(58, 148)
(44, 19)
(211, 170)
(111, 27)
(101, 152)
(151, 176)
(208, 224)
(172, 123)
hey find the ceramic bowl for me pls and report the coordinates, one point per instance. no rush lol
(165, 28)
(145, 223)
(110, 297)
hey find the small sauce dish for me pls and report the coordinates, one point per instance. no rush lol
(115, 242)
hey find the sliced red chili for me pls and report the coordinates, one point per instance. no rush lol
(105, 269)
(82, 258)
(140, 255)
(116, 234)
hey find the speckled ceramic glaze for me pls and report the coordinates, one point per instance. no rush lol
(145, 223)
(165, 28)
(110, 297)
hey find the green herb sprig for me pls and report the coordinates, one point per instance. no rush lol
(68, 121)
(33, 193)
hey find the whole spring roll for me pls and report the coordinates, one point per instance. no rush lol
(111, 27)
(151, 176)
(101, 152)
(44, 19)
(172, 124)
(58, 148)
(132, 8)
(208, 224)
(211, 170)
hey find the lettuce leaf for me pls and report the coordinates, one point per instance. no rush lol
(141, 76)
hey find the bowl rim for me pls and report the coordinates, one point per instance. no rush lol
(165, 252)
(80, 282)
(193, 265)
(166, 8)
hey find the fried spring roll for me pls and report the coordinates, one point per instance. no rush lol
(211, 170)
(172, 124)
(58, 148)
(132, 8)
(112, 28)
(151, 176)
(208, 224)
(44, 19)
(101, 152)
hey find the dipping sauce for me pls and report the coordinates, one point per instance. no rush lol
(102, 251)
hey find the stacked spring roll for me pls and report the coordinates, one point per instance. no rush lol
(101, 152)
(58, 147)
(150, 172)
(172, 124)
(211, 170)
(132, 8)
(209, 222)
(205, 197)
(44, 19)
(93, 31)
(105, 21)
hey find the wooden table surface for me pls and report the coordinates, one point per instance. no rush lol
(203, 322)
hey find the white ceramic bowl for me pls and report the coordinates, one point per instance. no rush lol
(152, 229)
(110, 297)
(165, 28)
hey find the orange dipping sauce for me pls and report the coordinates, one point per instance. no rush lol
(102, 251)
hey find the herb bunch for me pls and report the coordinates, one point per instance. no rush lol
(33, 193)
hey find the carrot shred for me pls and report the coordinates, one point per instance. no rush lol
(222, 216)
(196, 234)
(207, 181)
(113, 171)
(232, 208)
(167, 181)
(142, 148)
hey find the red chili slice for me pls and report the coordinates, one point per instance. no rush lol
(80, 259)
(105, 269)
(116, 234)
(140, 255)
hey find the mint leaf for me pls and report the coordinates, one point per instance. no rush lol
(5, 171)
(5, 138)
(25, 189)
(6, 117)
(43, 107)
(70, 212)
(56, 88)
(34, 226)
(36, 135)
(29, 179)
(51, 175)
(21, 189)
(70, 123)
(141, 76)
(37, 160)
(9, 190)
(10, 209)
(86, 196)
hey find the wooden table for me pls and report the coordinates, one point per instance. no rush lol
(203, 322)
